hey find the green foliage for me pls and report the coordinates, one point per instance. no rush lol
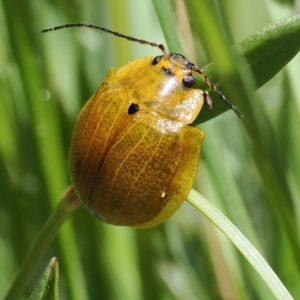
(249, 169)
(47, 288)
(266, 52)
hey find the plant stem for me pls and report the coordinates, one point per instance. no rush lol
(68, 204)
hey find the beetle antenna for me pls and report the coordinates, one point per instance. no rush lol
(214, 88)
(127, 37)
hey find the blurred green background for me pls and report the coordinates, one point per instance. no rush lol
(46, 79)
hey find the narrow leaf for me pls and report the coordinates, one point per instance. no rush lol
(267, 51)
(47, 288)
(241, 242)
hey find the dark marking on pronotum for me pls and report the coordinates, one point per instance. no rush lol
(168, 71)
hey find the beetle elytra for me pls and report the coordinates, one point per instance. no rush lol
(133, 155)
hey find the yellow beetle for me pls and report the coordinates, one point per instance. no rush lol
(133, 155)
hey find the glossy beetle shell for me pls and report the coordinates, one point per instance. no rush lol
(133, 156)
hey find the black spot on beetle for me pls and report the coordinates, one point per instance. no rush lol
(188, 81)
(156, 60)
(133, 108)
(168, 71)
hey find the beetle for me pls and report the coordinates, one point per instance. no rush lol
(133, 155)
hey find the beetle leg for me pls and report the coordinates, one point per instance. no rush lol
(207, 100)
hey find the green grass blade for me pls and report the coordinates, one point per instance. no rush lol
(47, 288)
(48, 232)
(266, 52)
(250, 253)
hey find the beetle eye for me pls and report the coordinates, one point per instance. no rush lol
(133, 108)
(156, 59)
(188, 81)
